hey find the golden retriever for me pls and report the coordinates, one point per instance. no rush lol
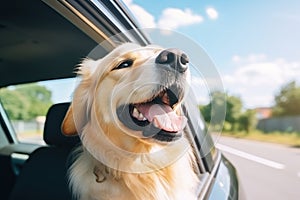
(127, 112)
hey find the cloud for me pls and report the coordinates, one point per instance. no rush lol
(145, 19)
(212, 13)
(171, 18)
(257, 79)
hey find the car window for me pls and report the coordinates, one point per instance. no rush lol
(26, 105)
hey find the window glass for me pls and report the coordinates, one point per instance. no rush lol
(27, 104)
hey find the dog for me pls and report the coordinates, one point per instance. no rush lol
(127, 111)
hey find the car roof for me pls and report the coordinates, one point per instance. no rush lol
(38, 43)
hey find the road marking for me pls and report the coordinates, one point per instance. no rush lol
(251, 157)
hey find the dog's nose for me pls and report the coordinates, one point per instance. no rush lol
(175, 58)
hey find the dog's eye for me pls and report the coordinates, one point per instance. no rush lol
(124, 64)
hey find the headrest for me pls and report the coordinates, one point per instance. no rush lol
(52, 129)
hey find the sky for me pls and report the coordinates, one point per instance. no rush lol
(255, 45)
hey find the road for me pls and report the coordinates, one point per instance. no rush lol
(266, 171)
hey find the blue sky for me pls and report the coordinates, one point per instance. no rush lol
(254, 44)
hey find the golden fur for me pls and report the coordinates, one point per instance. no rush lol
(115, 162)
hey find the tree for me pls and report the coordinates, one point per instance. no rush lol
(234, 109)
(15, 104)
(219, 102)
(287, 101)
(39, 98)
(26, 102)
(211, 111)
(247, 120)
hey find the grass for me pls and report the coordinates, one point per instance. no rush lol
(290, 139)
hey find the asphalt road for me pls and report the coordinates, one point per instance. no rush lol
(266, 171)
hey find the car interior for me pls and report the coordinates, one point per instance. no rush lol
(47, 166)
(45, 40)
(39, 44)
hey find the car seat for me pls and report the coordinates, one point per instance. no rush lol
(44, 174)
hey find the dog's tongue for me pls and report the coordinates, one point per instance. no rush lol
(162, 116)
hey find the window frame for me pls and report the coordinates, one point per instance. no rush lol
(7, 127)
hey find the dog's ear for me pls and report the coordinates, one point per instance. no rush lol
(76, 116)
(68, 125)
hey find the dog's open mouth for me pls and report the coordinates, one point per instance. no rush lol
(156, 117)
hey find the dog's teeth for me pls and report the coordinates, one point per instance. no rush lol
(141, 116)
(161, 94)
(165, 99)
(138, 115)
(135, 113)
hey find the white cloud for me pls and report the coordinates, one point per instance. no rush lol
(212, 13)
(236, 59)
(173, 18)
(145, 19)
(257, 79)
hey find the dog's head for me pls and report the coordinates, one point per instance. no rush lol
(132, 94)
